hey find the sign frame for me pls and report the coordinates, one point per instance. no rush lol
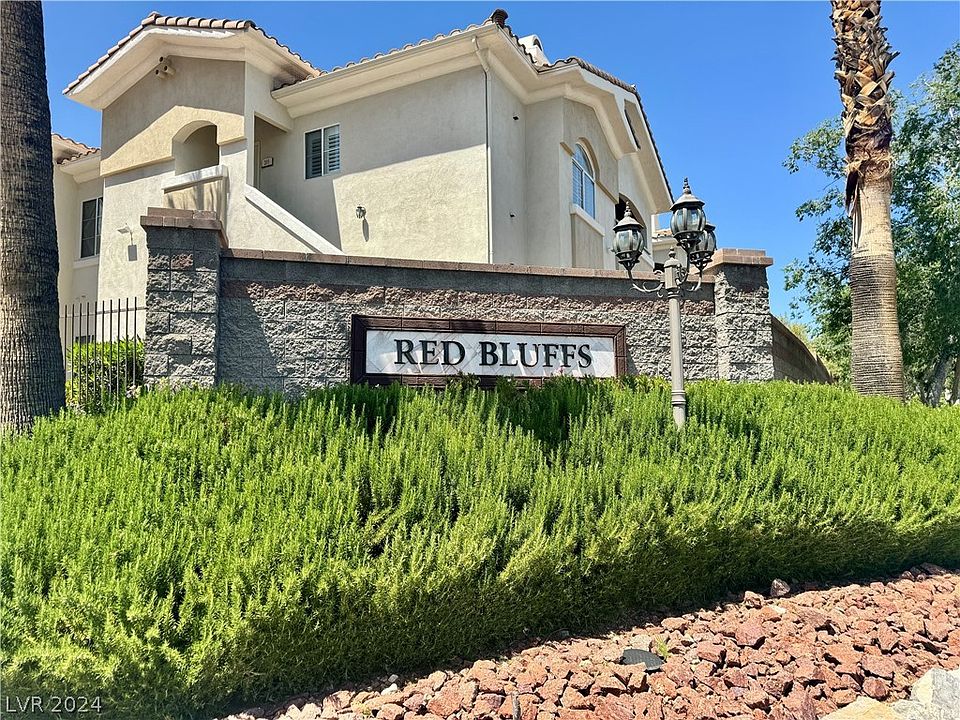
(360, 324)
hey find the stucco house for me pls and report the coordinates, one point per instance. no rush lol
(471, 146)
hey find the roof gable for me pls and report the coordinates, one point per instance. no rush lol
(198, 37)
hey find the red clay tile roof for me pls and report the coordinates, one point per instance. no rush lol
(394, 51)
(155, 19)
(78, 148)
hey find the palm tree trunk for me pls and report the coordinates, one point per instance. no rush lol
(876, 358)
(863, 56)
(31, 360)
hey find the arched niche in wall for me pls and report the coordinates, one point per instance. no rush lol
(621, 209)
(195, 147)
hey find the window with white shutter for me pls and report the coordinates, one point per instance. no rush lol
(323, 151)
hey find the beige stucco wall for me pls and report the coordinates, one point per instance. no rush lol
(206, 195)
(414, 157)
(139, 127)
(580, 125)
(77, 279)
(68, 221)
(246, 226)
(123, 256)
(508, 173)
(555, 236)
(128, 195)
(547, 219)
(140, 131)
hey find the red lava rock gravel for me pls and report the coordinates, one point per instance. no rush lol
(796, 657)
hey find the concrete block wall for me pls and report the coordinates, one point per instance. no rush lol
(285, 320)
(183, 296)
(282, 321)
(742, 309)
(793, 360)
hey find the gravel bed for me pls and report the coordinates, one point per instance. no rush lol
(786, 656)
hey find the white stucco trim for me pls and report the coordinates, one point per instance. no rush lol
(83, 168)
(193, 177)
(283, 218)
(139, 56)
(86, 262)
(380, 74)
(585, 216)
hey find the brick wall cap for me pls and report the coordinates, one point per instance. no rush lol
(738, 256)
(180, 218)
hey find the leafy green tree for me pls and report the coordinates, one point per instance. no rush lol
(926, 232)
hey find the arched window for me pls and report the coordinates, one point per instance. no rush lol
(584, 187)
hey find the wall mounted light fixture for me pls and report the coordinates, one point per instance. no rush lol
(361, 212)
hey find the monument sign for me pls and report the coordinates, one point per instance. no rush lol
(431, 351)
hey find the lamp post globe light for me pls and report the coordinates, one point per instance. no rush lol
(698, 240)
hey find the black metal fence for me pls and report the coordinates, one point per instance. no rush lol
(102, 352)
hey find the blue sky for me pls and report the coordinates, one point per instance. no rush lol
(727, 86)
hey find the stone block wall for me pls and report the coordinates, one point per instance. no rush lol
(282, 321)
(183, 296)
(285, 320)
(793, 360)
(744, 335)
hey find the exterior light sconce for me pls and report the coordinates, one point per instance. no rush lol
(132, 245)
(698, 239)
(361, 212)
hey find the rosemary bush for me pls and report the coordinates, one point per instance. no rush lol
(206, 547)
(104, 374)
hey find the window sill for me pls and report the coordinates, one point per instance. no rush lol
(585, 216)
(86, 262)
(193, 177)
(324, 175)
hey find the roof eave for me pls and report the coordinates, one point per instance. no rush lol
(391, 64)
(83, 167)
(111, 76)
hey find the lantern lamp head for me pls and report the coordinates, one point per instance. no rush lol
(688, 217)
(629, 240)
(702, 251)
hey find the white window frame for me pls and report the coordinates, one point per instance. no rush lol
(589, 173)
(324, 172)
(98, 236)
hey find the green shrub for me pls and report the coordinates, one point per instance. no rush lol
(104, 374)
(207, 547)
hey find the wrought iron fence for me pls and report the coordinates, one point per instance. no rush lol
(102, 352)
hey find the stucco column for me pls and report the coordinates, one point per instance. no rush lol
(742, 308)
(183, 296)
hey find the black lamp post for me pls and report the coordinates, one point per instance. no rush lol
(698, 239)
